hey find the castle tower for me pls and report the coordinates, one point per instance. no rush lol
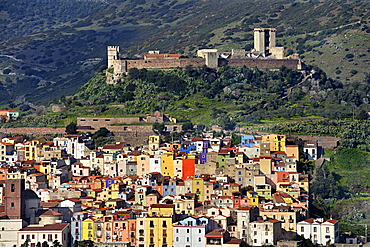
(113, 54)
(264, 38)
(14, 203)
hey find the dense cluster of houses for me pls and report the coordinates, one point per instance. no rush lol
(197, 192)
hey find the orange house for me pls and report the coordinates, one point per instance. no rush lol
(188, 168)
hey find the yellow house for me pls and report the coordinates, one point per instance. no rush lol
(265, 164)
(277, 142)
(292, 150)
(304, 184)
(185, 206)
(88, 232)
(262, 188)
(159, 231)
(253, 198)
(198, 188)
(32, 148)
(167, 164)
(288, 218)
(161, 210)
(154, 142)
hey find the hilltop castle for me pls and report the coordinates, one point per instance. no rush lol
(264, 55)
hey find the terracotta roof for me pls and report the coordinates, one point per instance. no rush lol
(48, 204)
(215, 234)
(50, 213)
(162, 55)
(51, 227)
(244, 208)
(235, 241)
(274, 221)
(162, 206)
(331, 221)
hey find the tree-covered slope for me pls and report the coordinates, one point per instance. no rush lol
(20, 17)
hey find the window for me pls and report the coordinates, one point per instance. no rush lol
(199, 239)
(12, 204)
(164, 224)
(302, 229)
(177, 239)
(12, 187)
(187, 239)
(187, 230)
(315, 229)
(327, 230)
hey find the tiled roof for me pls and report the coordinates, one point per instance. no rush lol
(50, 213)
(51, 227)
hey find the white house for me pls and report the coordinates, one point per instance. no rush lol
(311, 150)
(319, 231)
(190, 232)
(48, 233)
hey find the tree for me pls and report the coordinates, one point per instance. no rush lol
(362, 115)
(102, 132)
(235, 139)
(71, 128)
(186, 127)
(245, 189)
(84, 243)
(26, 243)
(45, 244)
(56, 243)
(158, 127)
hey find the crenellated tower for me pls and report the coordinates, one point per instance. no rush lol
(113, 54)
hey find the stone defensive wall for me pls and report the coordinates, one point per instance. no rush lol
(164, 63)
(34, 131)
(198, 62)
(264, 63)
(137, 135)
(98, 123)
(326, 142)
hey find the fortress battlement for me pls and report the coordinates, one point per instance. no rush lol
(265, 55)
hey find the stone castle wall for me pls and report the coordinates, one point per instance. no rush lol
(97, 123)
(326, 142)
(164, 63)
(135, 135)
(264, 63)
(198, 62)
(33, 131)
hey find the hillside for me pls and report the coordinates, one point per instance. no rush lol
(334, 36)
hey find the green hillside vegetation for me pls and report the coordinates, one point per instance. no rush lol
(341, 188)
(20, 17)
(228, 96)
(334, 35)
